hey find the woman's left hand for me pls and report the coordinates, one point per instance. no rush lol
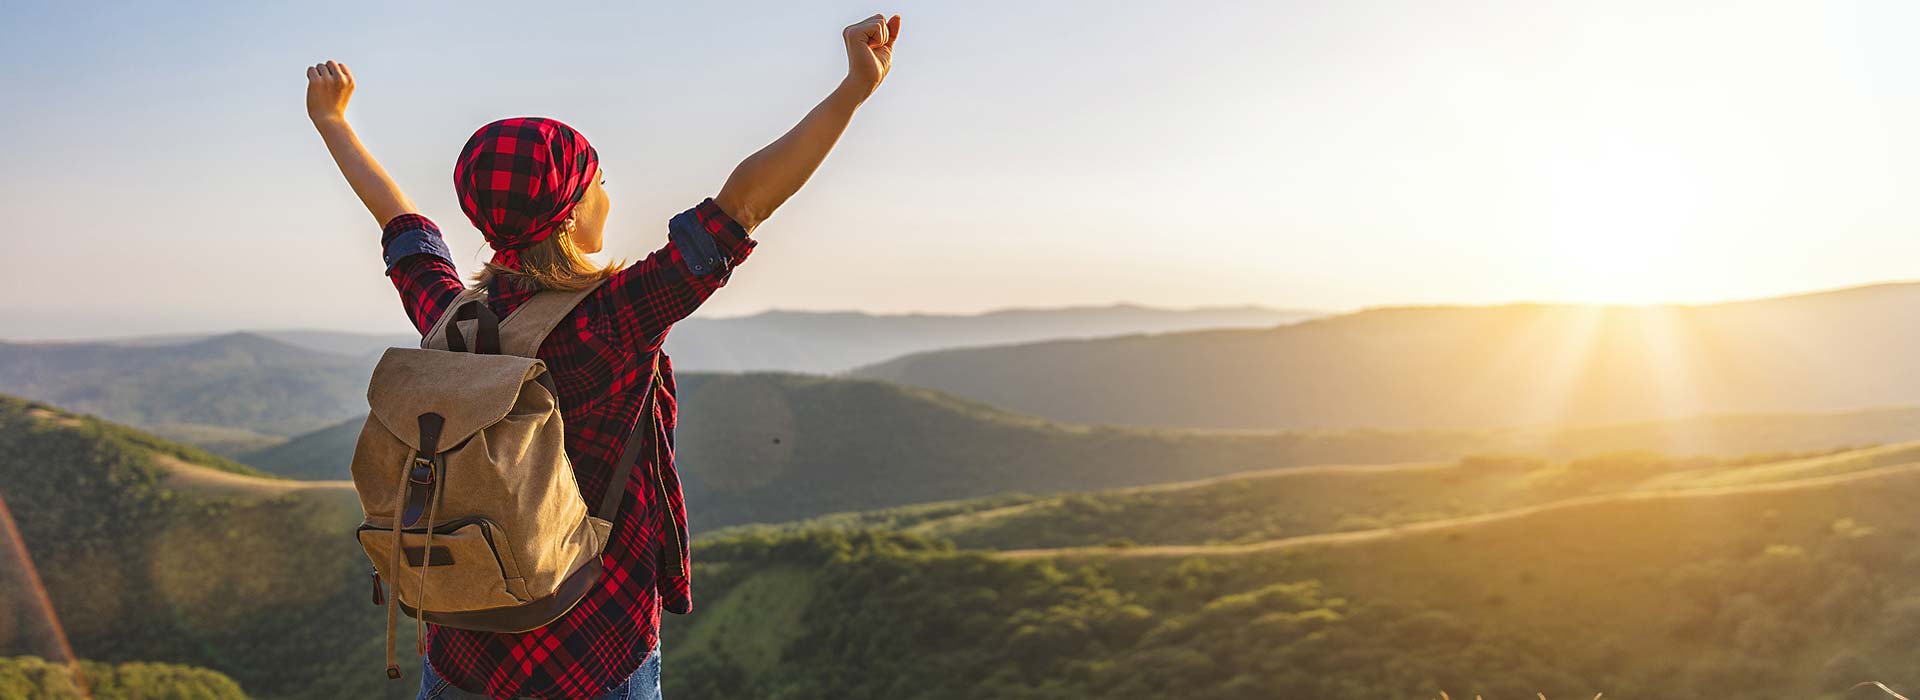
(870, 50)
(329, 86)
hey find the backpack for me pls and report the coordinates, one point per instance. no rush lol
(473, 516)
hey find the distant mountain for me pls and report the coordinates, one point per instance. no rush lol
(209, 386)
(1463, 367)
(833, 341)
(773, 447)
(247, 391)
(336, 342)
(822, 342)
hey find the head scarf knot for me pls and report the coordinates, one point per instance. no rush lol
(519, 178)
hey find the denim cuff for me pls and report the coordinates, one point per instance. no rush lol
(696, 246)
(414, 242)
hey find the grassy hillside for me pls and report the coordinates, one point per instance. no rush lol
(1787, 589)
(30, 677)
(1299, 501)
(153, 551)
(1464, 367)
(772, 447)
(235, 391)
(1777, 577)
(323, 454)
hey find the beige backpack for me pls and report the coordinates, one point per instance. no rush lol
(473, 516)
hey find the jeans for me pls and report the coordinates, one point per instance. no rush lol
(644, 684)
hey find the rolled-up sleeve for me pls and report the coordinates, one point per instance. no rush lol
(411, 234)
(709, 241)
(704, 246)
(421, 268)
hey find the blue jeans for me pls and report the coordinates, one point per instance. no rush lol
(644, 684)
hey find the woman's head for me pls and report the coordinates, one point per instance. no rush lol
(533, 187)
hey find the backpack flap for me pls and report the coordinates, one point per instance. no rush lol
(471, 391)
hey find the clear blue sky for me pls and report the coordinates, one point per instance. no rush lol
(160, 174)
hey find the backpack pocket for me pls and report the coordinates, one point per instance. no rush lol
(471, 568)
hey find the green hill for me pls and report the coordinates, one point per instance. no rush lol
(1463, 367)
(323, 454)
(157, 552)
(1783, 589)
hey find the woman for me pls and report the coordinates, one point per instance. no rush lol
(533, 187)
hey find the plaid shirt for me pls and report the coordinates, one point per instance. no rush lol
(600, 357)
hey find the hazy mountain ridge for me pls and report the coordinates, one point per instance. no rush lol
(816, 341)
(224, 383)
(249, 390)
(822, 342)
(1471, 367)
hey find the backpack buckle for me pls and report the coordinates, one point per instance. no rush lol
(422, 472)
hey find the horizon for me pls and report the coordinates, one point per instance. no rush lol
(1350, 159)
(1313, 314)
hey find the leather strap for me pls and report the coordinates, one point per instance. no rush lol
(486, 337)
(623, 468)
(521, 333)
(423, 473)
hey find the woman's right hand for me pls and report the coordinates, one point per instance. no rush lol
(329, 86)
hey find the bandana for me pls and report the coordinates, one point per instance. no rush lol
(519, 178)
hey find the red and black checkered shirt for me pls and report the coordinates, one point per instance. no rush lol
(600, 357)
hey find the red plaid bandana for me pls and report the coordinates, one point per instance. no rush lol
(519, 178)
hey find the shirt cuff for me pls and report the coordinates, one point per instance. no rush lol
(412, 234)
(709, 241)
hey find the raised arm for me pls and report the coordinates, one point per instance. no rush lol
(764, 181)
(329, 86)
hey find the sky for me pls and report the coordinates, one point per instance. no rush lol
(160, 174)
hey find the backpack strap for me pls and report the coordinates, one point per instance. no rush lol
(521, 332)
(436, 338)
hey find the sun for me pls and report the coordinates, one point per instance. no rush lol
(1622, 221)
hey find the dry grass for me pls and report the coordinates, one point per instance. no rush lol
(1882, 686)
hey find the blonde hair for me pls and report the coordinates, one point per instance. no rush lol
(554, 263)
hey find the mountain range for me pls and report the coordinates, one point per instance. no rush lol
(1450, 367)
(248, 390)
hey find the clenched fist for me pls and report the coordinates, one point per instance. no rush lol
(870, 50)
(329, 86)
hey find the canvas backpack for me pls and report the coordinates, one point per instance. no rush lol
(473, 517)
